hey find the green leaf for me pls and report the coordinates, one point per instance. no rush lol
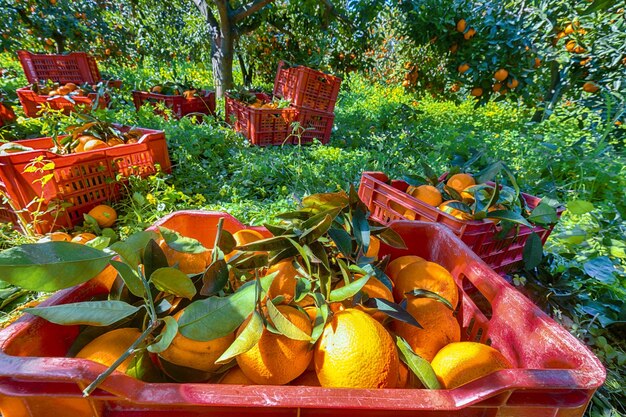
(227, 242)
(533, 251)
(509, 216)
(249, 260)
(173, 281)
(92, 313)
(598, 6)
(420, 293)
(276, 230)
(319, 251)
(130, 278)
(321, 317)
(420, 366)
(303, 254)
(390, 237)
(153, 258)
(543, 214)
(580, 207)
(602, 269)
(342, 240)
(131, 249)
(318, 230)
(275, 243)
(99, 242)
(215, 278)
(393, 310)
(303, 288)
(284, 326)
(164, 340)
(51, 266)
(326, 201)
(345, 292)
(247, 339)
(215, 317)
(361, 228)
(181, 243)
(415, 180)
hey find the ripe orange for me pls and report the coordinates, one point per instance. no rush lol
(63, 91)
(373, 248)
(461, 362)
(95, 144)
(537, 62)
(307, 379)
(569, 29)
(189, 263)
(454, 48)
(428, 194)
(460, 182)
(195, 354)
(461, 215)
(355, 351)
(115, 142)
(235, 376)
(243, 237)
(461, 25)
(476, 92)
(570, 45)
(59, 237)
(276, 359)
(455, 87)
(104, 215)
(496, 87)
(463, 67)
(71, 86)
(427, 276)
(501, 74)
(469, 34)
(83, 238)
(374, 288)
(107, 348)
(439, 327)
(285, 281)
(590, 87)
(398, 264)
(189, 94)
(156, 89)
(512, 83)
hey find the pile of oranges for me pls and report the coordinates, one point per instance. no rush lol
(357, 345)
(68, 89)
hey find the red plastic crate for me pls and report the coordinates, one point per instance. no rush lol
(555, 374)
(7, 115)
(180, 105)
(75, 67)
(33, 102)
(315, 124)
(84, 179)
(261, 127)
(307, 87)
(387, 201)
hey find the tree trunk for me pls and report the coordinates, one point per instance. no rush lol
(60, 41)
(554, 93)
(222, 52)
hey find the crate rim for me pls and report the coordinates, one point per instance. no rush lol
(589, 376)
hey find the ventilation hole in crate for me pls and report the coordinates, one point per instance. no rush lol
(470, 327)
(488, 342)
(479, 335)
(476, 296)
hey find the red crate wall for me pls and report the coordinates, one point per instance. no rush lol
(180, 105)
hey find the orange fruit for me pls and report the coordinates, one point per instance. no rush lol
(476, 92)
(194, 354)
(53, 93)
(373, 248)
(107, 348)
(156, 89)
(115, 142)
(462, 362)
(398, 264)
(469, 34)
(455, 87)
(496, 87)
(83, 238)
(428, 194)
(59, 237)
(461, 25)
(537, 62)
(243, 237)
(71, 86)
(374, 288)
(454, 48)
(235, 376)
(439, 327)
(426, 276)
(95, 144)
(464, 67)
(63, 91)
(307, 379)
(285, 281)
(590, 87)
(569, 29)
(403, 375)
(189, 94)
(409, 214)
(460, 182)
(104, 215)
(355, 351)
(461, 215)
(570, 45)
(277, 359)
(512, 83)
(189, 263)
(501, 74)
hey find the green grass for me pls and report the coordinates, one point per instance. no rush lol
(570, 157)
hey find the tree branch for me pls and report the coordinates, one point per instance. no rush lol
(248, 9)
(331, 8)
(203, 7)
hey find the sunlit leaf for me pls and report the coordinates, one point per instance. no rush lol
(284, 326)
(153, 258)
(130, 278)
(181, 243)
(92, 313)
(173, 281)
(347, 291)
(164, 340)
(246, 340)
(393, 310)
(543, 214)
(421, 293)
(533, 251)
(215, 278)
(420, 366)
(580, 207)
(51, 266)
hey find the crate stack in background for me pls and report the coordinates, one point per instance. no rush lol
(77, 68)
(313, 95)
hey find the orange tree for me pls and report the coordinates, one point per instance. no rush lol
(62, 25)
(536, 51)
